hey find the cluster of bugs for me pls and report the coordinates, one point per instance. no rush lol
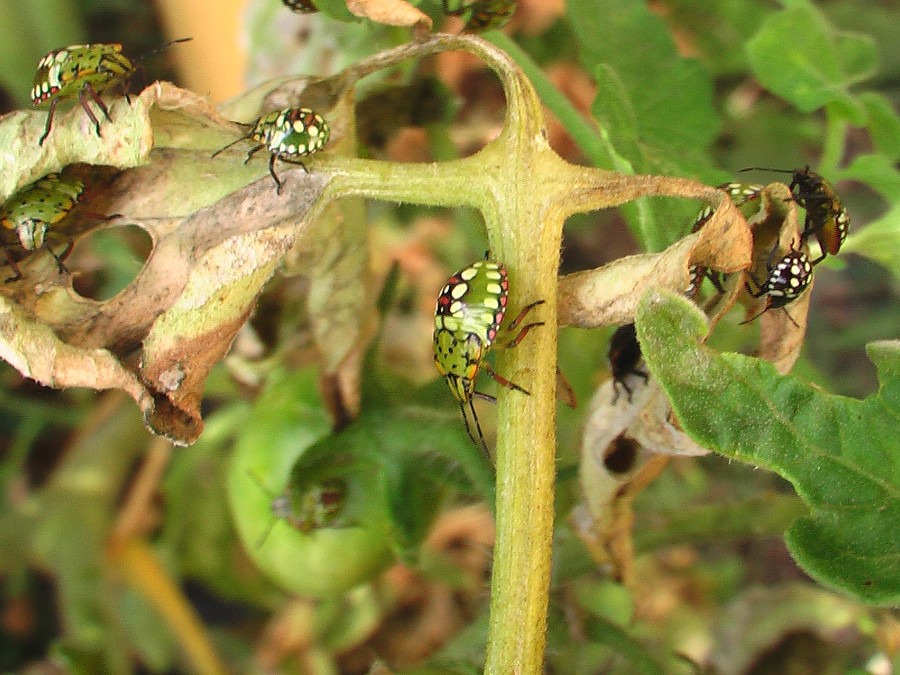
(467, 321)
(483, 15)
(82, 73)
(788, 275)
(77, 72)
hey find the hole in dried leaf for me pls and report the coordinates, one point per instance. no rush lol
(621, 455)
(106, 261)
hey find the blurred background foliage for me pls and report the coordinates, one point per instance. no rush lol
(680, 87)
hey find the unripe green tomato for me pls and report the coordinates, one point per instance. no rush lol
(287, 419)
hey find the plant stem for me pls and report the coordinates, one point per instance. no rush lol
(135, 559)
(592, 140)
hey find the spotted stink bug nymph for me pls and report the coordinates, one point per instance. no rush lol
(83, 72)
(467, 320)
(786, 281)
(287, 135)
(745, 197)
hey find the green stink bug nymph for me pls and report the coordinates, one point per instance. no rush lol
(83, 72)
(286, 134)
(308, 508)
(43, 209)
(34, 209)
(467, 319)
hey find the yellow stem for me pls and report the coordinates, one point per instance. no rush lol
(137, 563)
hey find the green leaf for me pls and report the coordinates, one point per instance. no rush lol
(879, 239)
(839, 453)
(884, 124)
(420, 452)
(609, 634)
(799, 56)
(614, 111)
(634, 43)
(637, 66)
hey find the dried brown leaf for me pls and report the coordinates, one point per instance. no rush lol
(390, 12)
(609, 295)
(214, 246)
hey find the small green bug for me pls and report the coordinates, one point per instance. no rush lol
(286, 134)
(83, 72)
(743, 195)
(314, 506)
(826, 217)
(484, 14)
(34, 209)
(467, 319)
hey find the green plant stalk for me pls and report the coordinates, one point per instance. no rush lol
(833, 146)
(525, 192)
(593, 140)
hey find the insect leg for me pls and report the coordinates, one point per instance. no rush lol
(502, 381)
(49, 124)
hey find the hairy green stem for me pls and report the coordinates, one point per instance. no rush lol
(524, 192)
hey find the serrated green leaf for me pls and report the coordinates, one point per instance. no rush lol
(799, 56)
(879, 239)
(839, 453)
(634, 43)
(883, 123)
(638, 68)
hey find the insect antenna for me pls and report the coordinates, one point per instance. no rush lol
(235, 142)
(138, 66)
(480, 442)
(163, 47)
(764, 168)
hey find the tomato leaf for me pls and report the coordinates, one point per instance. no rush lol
(799, 56)
(838, 452)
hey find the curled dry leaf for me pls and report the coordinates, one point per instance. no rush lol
(215, 244)
(391, 12)
(782, 330)
(615, 466)
(609, 295)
